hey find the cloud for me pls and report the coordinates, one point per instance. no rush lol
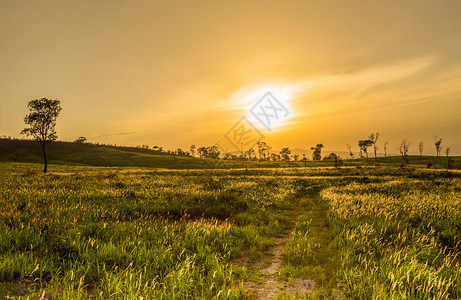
(113, 134)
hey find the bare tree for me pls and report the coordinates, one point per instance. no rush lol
(438, 145)
(374, 138)
(421, 148)
(385, 149)
(42, 122)
(404, 147)
(447, 151)
(450, 161)
(350, 151)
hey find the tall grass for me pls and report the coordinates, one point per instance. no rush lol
(94, 232)
(399, 239)
(130, 234)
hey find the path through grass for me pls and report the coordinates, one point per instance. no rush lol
(302, 262)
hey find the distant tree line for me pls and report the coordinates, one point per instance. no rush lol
(41, 122)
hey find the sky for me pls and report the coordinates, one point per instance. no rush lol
(176, 73)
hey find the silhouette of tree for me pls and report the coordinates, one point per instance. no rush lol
(209, 152)
(230, 156)
(334, 157)
(263, 149)
(385, 149)
(317, 154)
(80, 140)
(304, 159)
(421, 148)
(438, 145)
(295, 157)
(249, 153)
(275, 157)
(285, 154)
(450, 162)
(447, 151)
(42, 122)
(350, 151)
(331, 156)
(202, 152)
(213, 152)
(364, 144)
(192, 149)
(374, 138)
(404, 147)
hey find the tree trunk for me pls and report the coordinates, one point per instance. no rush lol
(45, 160)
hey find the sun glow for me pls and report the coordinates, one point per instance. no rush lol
(247, 97)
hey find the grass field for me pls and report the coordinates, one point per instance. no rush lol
(362, 232)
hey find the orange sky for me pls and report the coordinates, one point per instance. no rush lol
(173, 73)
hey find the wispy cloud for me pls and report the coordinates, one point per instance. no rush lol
(113, 134)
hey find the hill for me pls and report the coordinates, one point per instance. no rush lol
(94, 155)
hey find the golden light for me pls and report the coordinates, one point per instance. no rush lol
(247, 97)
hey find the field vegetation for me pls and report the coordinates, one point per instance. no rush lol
(360, 232)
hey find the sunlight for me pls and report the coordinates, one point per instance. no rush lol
(247, 97)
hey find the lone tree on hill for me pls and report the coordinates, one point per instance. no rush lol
(42, 122)
(364, 144)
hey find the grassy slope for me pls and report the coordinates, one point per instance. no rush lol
(94, 155)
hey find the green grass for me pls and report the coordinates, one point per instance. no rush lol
(371, 232)
(310, 253)
(399, 239)
(114, 234)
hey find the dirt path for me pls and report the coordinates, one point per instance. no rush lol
(271, 286)
(269, 267)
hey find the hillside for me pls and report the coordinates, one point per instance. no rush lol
(94, 155)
